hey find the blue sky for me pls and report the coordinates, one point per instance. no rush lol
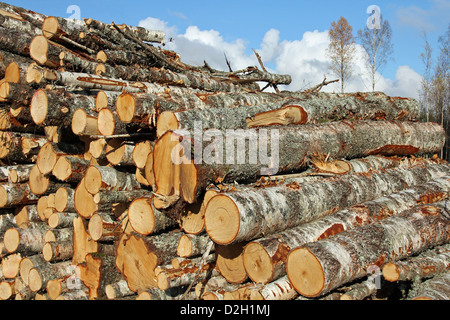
(293, 25)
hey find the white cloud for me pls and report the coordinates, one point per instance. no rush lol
(431, 19)
(305, 59)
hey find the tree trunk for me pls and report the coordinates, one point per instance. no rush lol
(40, 275)
(12, 195)
(426, 265)
(20, 147)
(253, 213)
(58, 251)
(433, 289)
(264, 259)
(24, 241)
(192, 245)
(280, 289)
(315, 108)
(188, 175)
(118, 290)
(105, 178)
(56, 107)
(317, 268)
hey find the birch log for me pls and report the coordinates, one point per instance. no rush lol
(426, 265)
(313, 108)
(317, 268)
(249, 214)
(436, 288)
(179, 172)
(264, 259)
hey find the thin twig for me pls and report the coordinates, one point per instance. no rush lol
(264, 69)
(202, 264)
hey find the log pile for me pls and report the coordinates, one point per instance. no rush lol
(115, 184)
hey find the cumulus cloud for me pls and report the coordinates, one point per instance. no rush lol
(304, 59)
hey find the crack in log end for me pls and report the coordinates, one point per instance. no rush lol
(331, 231)
(430, 211)
(432, 197)
(394, 150)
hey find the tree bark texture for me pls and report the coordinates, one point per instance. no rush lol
(330, 263)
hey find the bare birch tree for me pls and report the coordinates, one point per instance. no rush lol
(341, 50)
(377, 42)
(427, 75)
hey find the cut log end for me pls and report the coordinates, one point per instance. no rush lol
(11, 240)
(174, 173)
(39, 106)
(391, 272)
(222, 219)
(167, 121)
(46, 159)
(101, 101)
(47, 251)
(62, 169)
(3, 197)
(126, 106)
(83, 124)
(34, 280)
(258, 263)
(305, 272)
(184, 248)
(50, 27)
(38, 182)
(39, 49)
(106, 123)
(141, 216)
(93, 180)
(95, 227)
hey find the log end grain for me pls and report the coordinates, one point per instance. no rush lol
(184, 248)
(38, 182)
(11, 240)
(167, 121)
(106, 122)
(95, 227)
(229, 261)
(126, 106)
(34, 280)
(93, 180)
(83, 124)
(305, 272)
(46, 159)
(39, 106)
(258, 263)
(141, 152)
(222, 219)
(391, 272)
(3, 197)
(141, 216)
(50, 27)
(39, 49)
(62, 169)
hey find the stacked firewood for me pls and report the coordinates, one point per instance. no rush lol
(114, 183)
